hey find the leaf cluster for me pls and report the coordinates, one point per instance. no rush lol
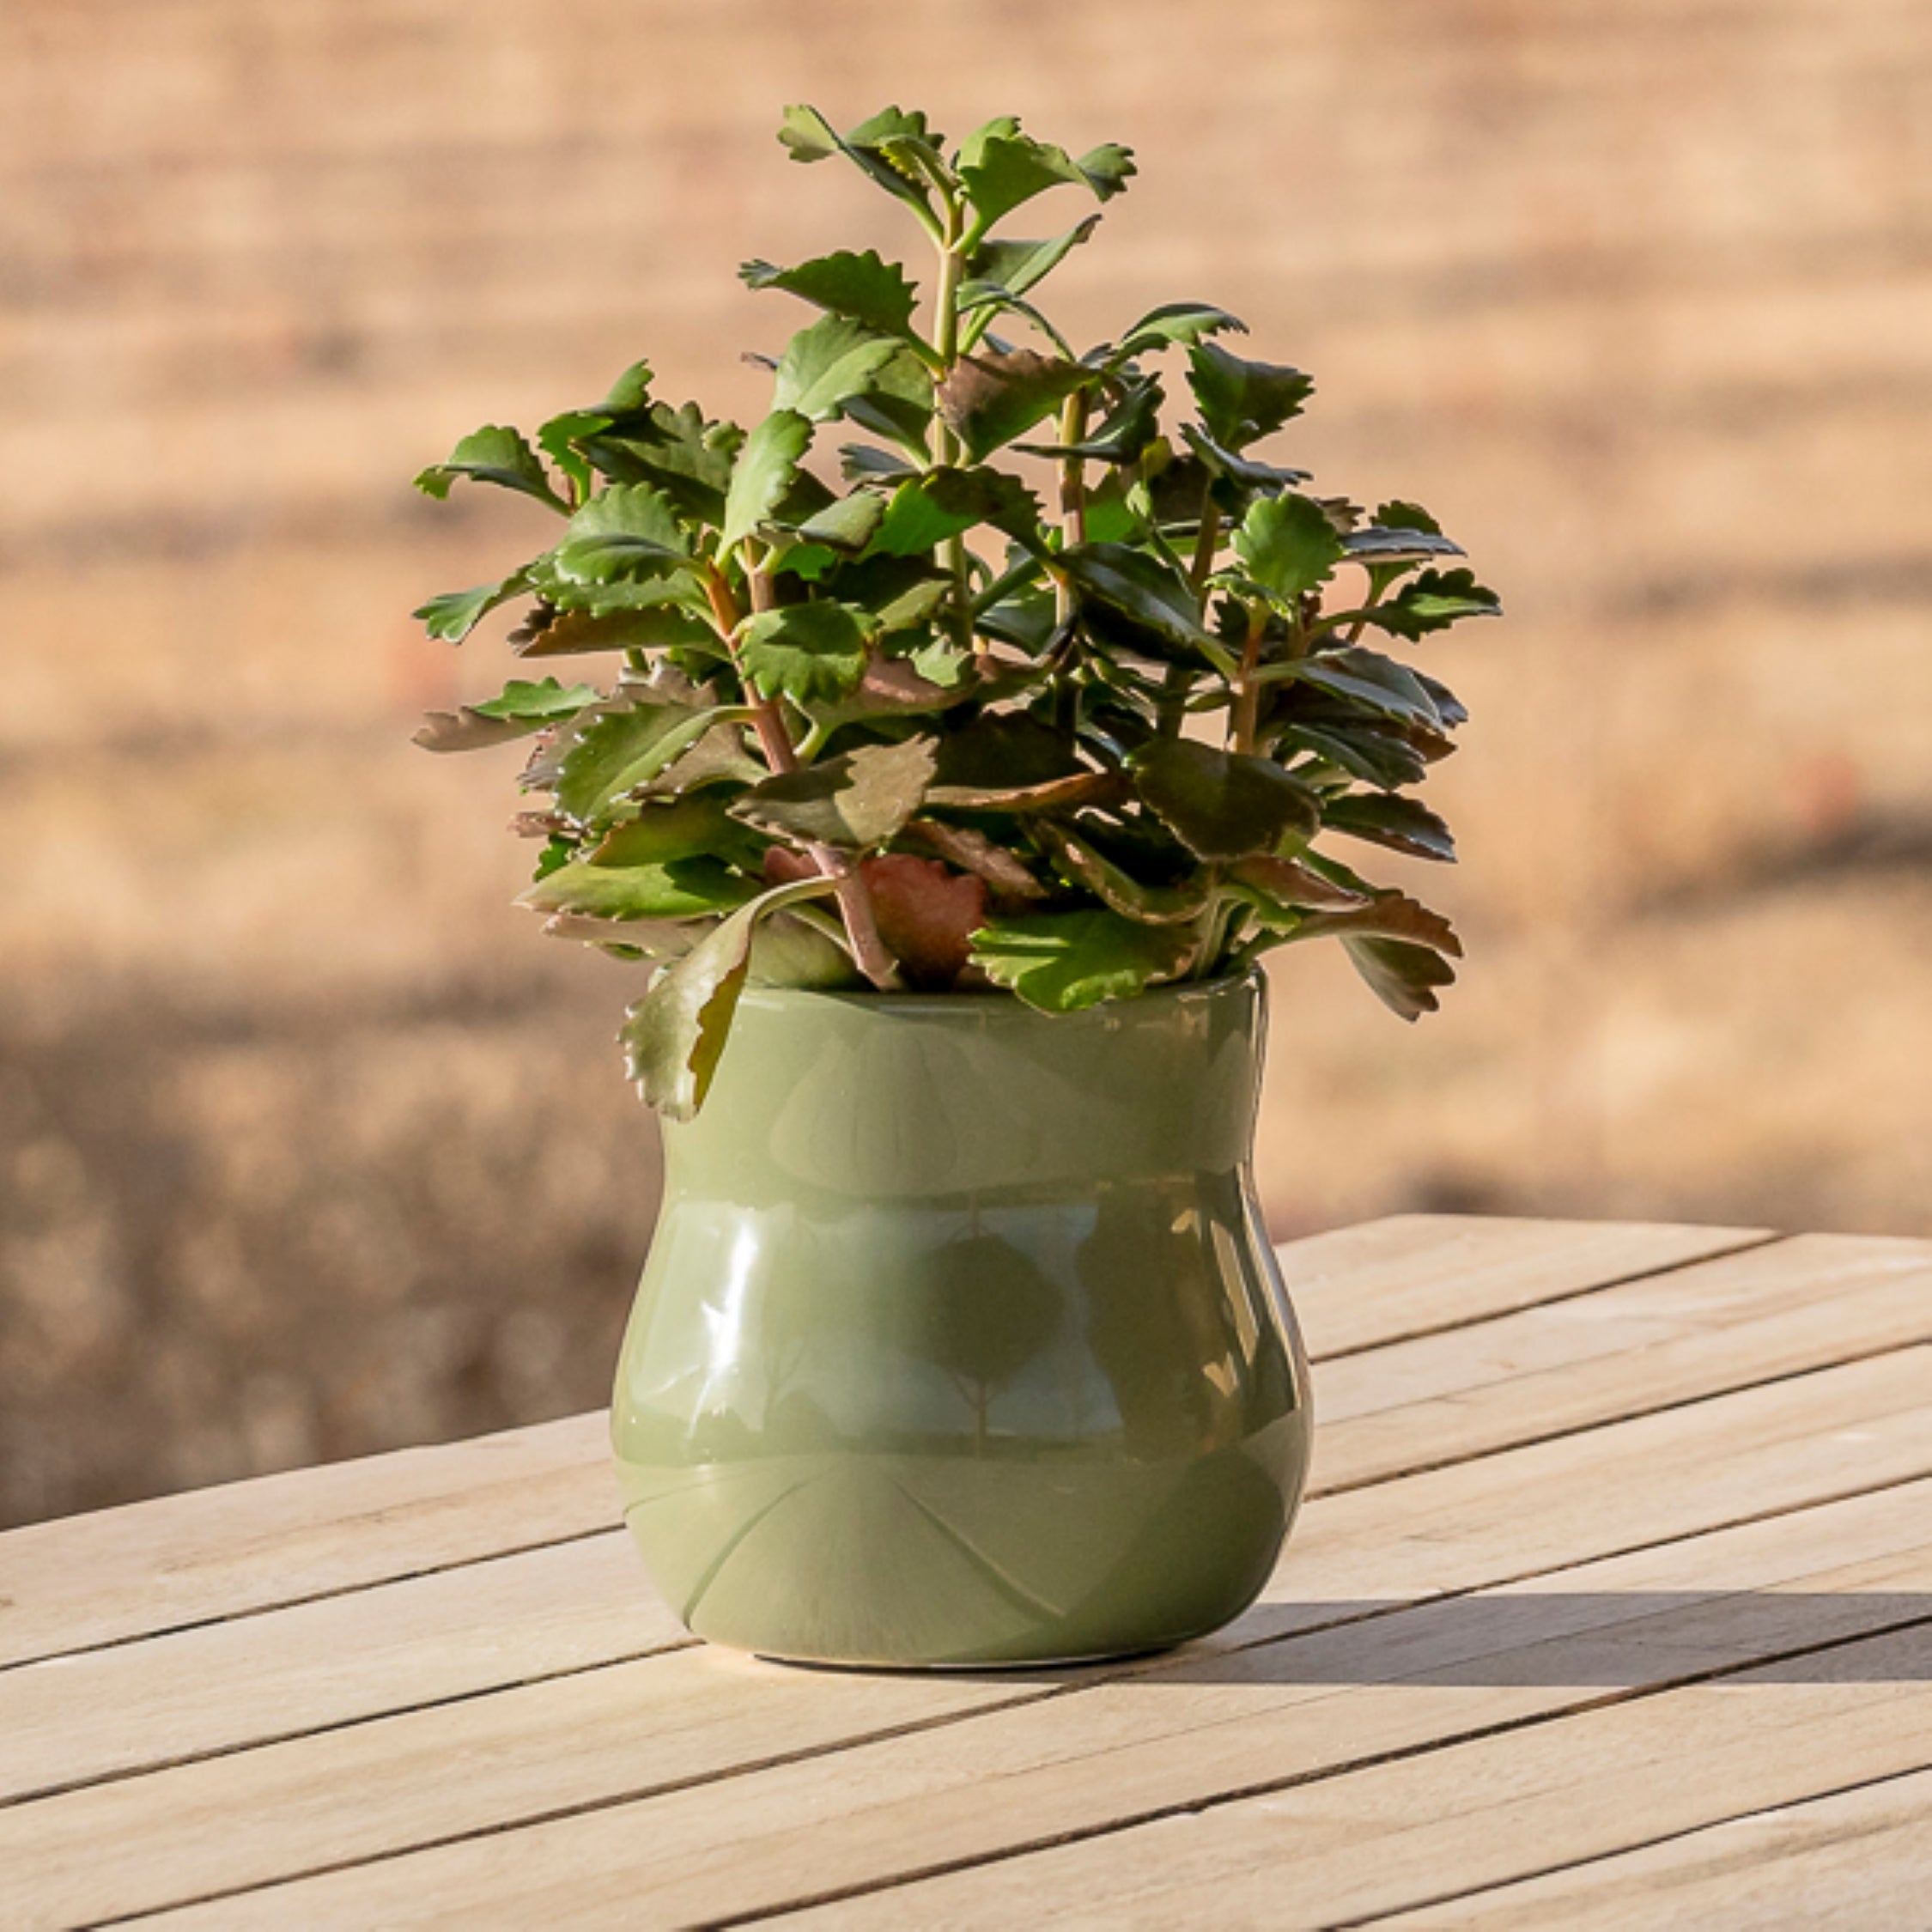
(977, 661)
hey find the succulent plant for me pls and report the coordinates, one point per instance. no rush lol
(887, 713)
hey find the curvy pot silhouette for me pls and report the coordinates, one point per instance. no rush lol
(961, 1341)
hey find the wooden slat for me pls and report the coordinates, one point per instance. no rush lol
(1348, 1849)
(280, 1540)
(1775, 1311)
(420, 1641)
(1363, 1287)
(399, 1646)
(1189, 1733)
(1862, 1857)
(589, 1741)
(153, 1566)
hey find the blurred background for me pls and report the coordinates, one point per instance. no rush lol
(310, 1145)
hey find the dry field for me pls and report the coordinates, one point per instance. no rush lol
(309, 1146)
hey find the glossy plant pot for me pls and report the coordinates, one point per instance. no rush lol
(960, 1342)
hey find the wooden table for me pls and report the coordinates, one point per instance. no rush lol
(1612, 1605)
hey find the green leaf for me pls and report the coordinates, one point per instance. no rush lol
(1288, 884)
(925, 511)
(657, 940)
(696, 825)
(865, 288)
(1000, 168)
(1432, 601)
(1403, 977)
(1056, 794)
(676, 450)
(1399, 515)
(861, 463)
(766, 468)
(1026, 619)
(670, 889)
(896, 404)
(617, 752)
(1374, 544)
(544, 700)
(797, 948)
(1389, 915)
(1287, 546)
(1401, 825)
(471, 729)
(990, 398)
(718, 757)
(1369, 678)
(1239, 400)
(974, 852)
(1223, 804)
(809, 136)
(1140, 586)
(560, 437)
(1183, 323)
(494, 454)
(1365, 748)
(451, 616)
(1080, 864)
(999, 269)
(996, 750)
(1247, 471)
(1128, 430)
(674, 1034)
(624, 533)
(894, 688)
(856, 802)
(1108, 169)
(560, 634)
(809, 652)
(1448, 706)
(824, 366)
(847, 525)
(1060, 963)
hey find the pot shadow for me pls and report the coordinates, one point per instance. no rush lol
(1616, 1639)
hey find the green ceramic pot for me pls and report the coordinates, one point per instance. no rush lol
(961, 1341)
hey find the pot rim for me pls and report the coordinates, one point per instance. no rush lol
(930, 1005)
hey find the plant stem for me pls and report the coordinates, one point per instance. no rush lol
(774, 740)
(1072, 500)
(869, 952)
(946, 445)
(1248, 693)
(1205, 544)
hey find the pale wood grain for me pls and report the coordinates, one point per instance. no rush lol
(214, 1554)
(1363, 1287)
(1192, 1732)
(397, 1646)
(588, 1740)
(1860, 1858)
(152, 1566)
(1352, 1848)
(1775, 1310)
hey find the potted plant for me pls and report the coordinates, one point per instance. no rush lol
(979, 720)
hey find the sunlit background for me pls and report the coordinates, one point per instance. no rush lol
(311, 1146)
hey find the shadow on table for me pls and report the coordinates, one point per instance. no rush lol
(1622, 1639)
